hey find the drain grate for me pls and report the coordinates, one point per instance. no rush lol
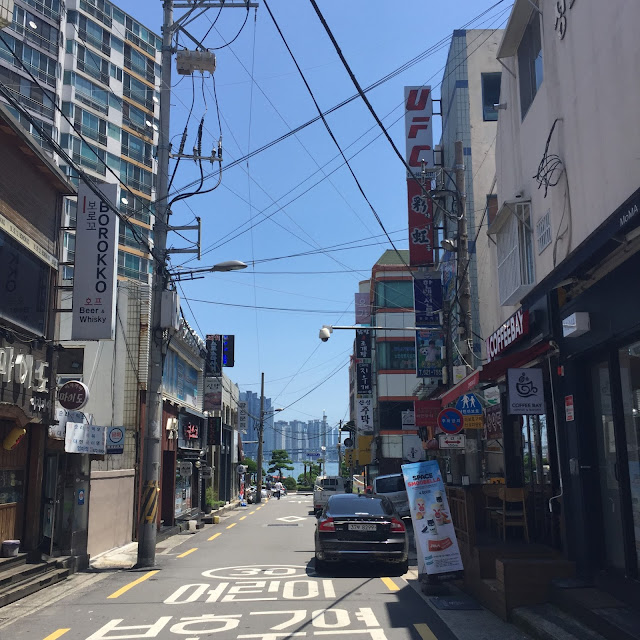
(282, 524)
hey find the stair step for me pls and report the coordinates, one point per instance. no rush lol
(26, 588)
(604, 613)
(5, 563)
(547, 622)
(21, 572)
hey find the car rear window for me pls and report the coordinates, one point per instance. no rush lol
(350, 505)
(390, 485)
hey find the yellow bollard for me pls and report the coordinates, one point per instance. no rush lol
(216, 519)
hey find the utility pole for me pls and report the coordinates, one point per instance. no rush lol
(260, 442)
(340, 449)
(464, 289)
(148, 513)
(147, 528)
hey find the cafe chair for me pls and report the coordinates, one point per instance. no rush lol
(510, 515)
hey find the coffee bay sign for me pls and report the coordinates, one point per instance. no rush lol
(73, 395)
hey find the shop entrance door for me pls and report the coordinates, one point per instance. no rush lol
(608, 468)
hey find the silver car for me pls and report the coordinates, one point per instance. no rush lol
(392, 487)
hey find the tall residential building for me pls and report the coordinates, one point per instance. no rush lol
(253, 418)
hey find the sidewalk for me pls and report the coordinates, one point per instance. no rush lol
(127, 556)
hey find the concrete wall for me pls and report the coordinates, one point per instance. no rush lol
(590, 85)
(110, 509)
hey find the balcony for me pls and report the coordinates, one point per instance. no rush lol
(91, 70)
(42, 9)
(137, 155)
(90, 163)
(32, 104)
(137, 185)
(90, 132)
(96, 13)
(94, 42)
(90, 101)
(134, 95)
(143, 72)
(131, 37)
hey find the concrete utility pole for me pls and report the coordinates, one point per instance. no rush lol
(260, 442)
(148, 510)
(464, 289)
(147, 528)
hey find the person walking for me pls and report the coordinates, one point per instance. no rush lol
(268, 485)
(279, 488)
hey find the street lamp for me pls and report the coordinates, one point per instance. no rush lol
(194, 274)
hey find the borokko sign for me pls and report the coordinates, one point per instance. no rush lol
(96, 261)
(427, 299)
(419, 141)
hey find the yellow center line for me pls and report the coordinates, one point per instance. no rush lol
(233, 524)
(56, 634)
(119, 592)
(252, 512)
(186, 553)
(391, 585)
(215, 535)
(425, 632)
(243, 517)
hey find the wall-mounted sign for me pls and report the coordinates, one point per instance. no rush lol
(212, 394)
(452, 441)
(426, 412)
(213, 364)
(493, 422)
(420, 214)
(427, 299)
(73, 395)
(418, 127)
(412, 448)
(115, 440)
(363, 378)
(450, 421)
(363, 344)
(228, 350)
(85, 438)
(459, 373)
(526, 392)
(190, 431)
(576, 324)
(513, 330)
(185, 469)
(569, 409)
(473, 422)
(408, 419)
(363, 308)
(364, 414)
(242, 416)
(429, 344)
(96, 261)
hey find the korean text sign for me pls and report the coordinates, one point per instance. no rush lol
(96, 261)
(435, 536)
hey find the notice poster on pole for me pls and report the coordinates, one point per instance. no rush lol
(434, 534)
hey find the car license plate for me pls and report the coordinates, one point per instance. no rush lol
(362, 527)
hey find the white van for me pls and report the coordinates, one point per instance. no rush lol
(393, 487)
(325, 487)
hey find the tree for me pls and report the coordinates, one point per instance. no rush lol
(280, 460)
(252, 465)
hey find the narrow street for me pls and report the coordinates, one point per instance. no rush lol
(250, 576)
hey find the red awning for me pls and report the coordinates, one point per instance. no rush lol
(493, 371)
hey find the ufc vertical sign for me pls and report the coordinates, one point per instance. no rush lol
(418, 127)
(96, 261)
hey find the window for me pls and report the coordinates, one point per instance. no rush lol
(134, 267)
(90, 94)
(136, 149)
(514, 241)
(394, 294)
(543, 231)
(138, 91)
(136, 178)
(490, 95)
(530, 63)
(93, 65)
(398, 356)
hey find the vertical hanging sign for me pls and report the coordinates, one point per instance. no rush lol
(363, 308)
(363, 344)
(427, 300)
(213, 365)
(96, 261)
(419, 149)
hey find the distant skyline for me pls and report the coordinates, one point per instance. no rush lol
(308, 253)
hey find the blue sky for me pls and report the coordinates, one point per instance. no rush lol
(306, 291)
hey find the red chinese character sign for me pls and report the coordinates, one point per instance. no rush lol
(450, 421)
(420, 225)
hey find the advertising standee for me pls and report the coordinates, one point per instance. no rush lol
(433, 528)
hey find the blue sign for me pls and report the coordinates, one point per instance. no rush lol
(448, 269)
(427, 298)
(450, 421)
(469, 405)
(81, 497)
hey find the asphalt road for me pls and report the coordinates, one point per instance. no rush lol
(250, 576)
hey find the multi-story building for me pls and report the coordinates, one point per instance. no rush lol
(271, 438)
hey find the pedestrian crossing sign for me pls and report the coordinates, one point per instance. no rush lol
(469, 405)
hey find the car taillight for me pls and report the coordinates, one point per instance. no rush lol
(327, 525)
(397, 526)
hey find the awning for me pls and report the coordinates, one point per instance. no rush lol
(493, 371)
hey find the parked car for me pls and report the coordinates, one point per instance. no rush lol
(360, 528)
(392, 486)
(323, 488)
